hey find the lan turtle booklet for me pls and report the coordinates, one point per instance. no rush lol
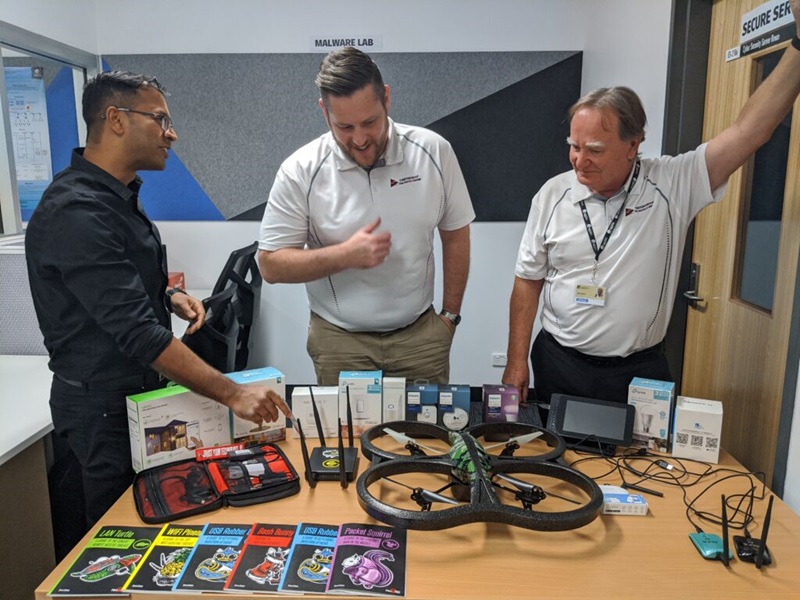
(310, 559)
(160, 568)
(106, 562)
(212, 559)
(369, 560)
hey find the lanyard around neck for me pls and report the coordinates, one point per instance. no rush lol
(611, 226)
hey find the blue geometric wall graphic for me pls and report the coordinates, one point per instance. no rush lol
(60, 97)
(174, 194)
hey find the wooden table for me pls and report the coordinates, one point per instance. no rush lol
(613, 557)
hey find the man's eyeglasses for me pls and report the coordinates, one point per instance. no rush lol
(165, 120)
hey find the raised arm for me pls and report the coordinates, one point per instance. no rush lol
(759, 117)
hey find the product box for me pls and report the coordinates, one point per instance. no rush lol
(366, 400)
(421, 402)
(454, 407)
(327, 401)
(500, 403)
(247, 431)
(697, 430)
(653, 400)
(618, 501)
(176, 279)
(168, 425)
(394, 399)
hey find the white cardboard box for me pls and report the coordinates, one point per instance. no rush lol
(698, 426)
(618, 501)
(366, 400)
(247, 431)
(327, 401)
(653, 400)
(394, 399)
(167, 425)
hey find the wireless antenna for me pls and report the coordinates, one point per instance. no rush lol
(342, 459)
(320, 433)
(349, 419)
(763, 546)
(725, 549)
(312, 482)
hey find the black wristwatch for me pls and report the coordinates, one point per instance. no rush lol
(454, 319)
(172, 291)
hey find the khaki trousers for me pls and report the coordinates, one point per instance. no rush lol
(418, 352)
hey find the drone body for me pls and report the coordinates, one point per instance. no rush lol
(474, 485)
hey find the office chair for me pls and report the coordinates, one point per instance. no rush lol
(241, 274)
(217, 340)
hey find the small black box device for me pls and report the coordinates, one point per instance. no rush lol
(596, 425)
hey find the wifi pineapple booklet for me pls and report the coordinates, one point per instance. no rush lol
(369, 560)
(105, 563)
(164, 560)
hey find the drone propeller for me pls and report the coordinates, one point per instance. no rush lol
(424, 497)
(528, 488)
(402, 438)
(520, 440)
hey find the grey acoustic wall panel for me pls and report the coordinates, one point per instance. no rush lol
(240, 115)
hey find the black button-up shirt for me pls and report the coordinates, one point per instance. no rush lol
(98, 276)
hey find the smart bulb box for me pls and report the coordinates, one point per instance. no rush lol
(697, 429)
(454, 407)
(327, 401)
(500, 403)
(653, 400)
(247, 431)
(366, 400)
(394, 399)
(421, 402)
(167, 425)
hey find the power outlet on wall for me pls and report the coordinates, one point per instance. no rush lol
(499, 359)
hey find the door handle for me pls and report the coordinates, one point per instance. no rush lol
(691, 294)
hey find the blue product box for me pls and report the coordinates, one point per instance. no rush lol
(421, 402)
(454, 406)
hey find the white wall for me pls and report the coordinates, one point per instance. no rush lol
(70, 22)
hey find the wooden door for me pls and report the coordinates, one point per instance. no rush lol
(736, 348)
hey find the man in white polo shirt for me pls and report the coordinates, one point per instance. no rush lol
(352, 215)
(603, 243)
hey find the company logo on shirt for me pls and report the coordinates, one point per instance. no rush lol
(404, 180)
(639, 209)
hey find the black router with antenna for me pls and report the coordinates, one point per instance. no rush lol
(324, 462)
(754, 550)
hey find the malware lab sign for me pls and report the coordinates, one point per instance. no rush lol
(366, 43)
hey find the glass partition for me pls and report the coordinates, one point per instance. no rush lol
(40, 97)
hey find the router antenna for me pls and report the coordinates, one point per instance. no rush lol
(320, 433)
(349, 420)
(306, 461)
(342, 458)
(725, 549)
(763, 546)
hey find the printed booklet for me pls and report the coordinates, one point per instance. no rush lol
(165, 559)
(310, 559)
(106, 562)
(212, 559)
(369, 560)
(262, 560)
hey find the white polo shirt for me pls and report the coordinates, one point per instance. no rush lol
(639, 266)
(321, 197)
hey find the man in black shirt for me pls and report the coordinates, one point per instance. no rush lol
(99, 286)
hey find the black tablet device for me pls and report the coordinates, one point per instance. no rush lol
(591, 421)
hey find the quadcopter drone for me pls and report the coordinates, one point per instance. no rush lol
(424, 476)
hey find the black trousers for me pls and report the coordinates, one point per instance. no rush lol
(92, 462)
(557, 369)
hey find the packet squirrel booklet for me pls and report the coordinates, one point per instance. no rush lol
(106, 562)
(369, 560)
